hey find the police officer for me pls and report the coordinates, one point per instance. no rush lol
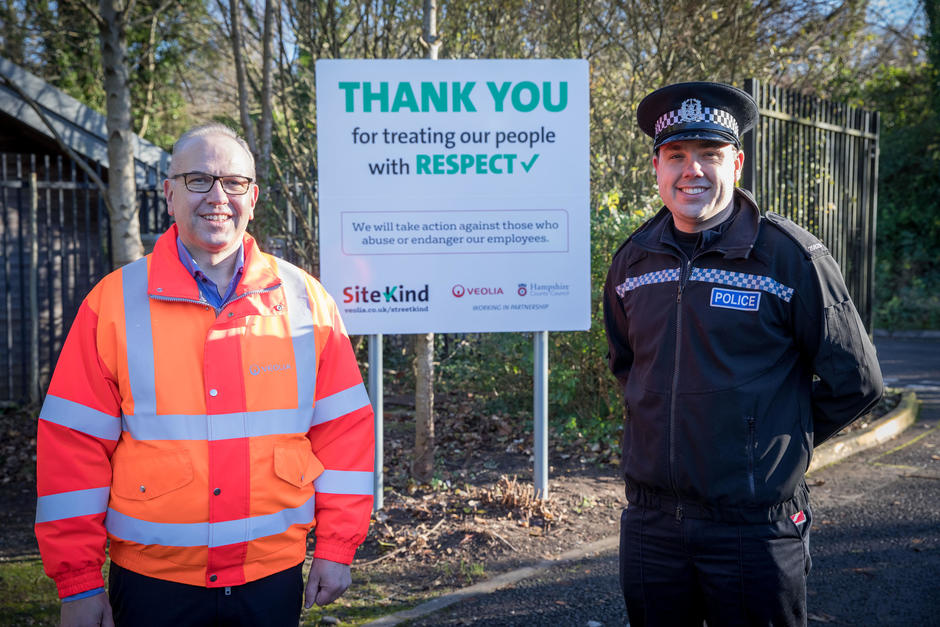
(738, 350)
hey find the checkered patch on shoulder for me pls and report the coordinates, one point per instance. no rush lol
(741, 279)
(650, 278)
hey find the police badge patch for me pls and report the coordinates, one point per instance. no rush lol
(691, 111)
(735, 299)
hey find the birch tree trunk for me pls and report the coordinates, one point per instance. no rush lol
(257, 135)
(241, 78)
(271, 8)
(122, 185)
(422, 467)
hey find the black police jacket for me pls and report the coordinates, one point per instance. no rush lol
(734, 364)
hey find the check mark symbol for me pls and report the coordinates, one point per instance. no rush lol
(528, 166)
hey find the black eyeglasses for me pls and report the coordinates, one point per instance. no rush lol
(200, 182)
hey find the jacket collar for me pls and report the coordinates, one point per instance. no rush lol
(169, 278)
(736, 242)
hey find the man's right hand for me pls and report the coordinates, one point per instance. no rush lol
(88, 612)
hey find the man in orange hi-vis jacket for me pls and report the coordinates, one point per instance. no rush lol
(205, 413)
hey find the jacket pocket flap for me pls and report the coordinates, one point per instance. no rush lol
(145, 477)
(296, 464)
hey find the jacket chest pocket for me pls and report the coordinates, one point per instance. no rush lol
(296, 464)
(145, 476)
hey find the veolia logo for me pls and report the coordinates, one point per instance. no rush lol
(459, 291)
(256, 369)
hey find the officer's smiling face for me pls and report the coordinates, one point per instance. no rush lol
(696, 180)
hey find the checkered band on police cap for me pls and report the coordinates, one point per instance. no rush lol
(708, 114)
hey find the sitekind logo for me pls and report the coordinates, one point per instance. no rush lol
(459, 291)
(390, 294)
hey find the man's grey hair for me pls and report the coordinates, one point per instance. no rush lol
(212, 128)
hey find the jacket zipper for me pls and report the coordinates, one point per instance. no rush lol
(248, 293)
(177, 299)
(675, 387)
(253, 292)
(751, 444)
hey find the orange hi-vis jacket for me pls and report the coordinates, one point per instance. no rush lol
(203, 445)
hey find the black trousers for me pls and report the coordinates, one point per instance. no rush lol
(685, 572)
(140, 601)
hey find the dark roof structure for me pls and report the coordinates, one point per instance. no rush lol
(83, 129)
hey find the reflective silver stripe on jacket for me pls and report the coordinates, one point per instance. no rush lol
(302, 334)
(709, 275)
(205, 533)
(138, 338)
(83, 418)
(356, 482)
(72, 504)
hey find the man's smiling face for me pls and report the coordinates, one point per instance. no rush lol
(696, 180)
(211, 224)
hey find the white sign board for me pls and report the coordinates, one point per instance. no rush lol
(454, 194)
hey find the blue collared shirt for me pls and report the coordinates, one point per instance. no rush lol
(207, 287)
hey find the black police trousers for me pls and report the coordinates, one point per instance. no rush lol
(141, 601)
(683, 572)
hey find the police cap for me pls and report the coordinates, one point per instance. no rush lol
(697, 110)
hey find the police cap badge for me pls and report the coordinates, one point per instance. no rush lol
(697, 111)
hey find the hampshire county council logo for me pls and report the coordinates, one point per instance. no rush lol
(536, 289)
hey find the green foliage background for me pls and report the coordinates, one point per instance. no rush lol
(906, 93)
(908, 262)
(59, 42)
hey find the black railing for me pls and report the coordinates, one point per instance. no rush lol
(816, 162)
(54, 247)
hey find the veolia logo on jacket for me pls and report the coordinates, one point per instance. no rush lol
(256, 369)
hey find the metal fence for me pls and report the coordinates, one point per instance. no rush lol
(816, 162)
(54, 247)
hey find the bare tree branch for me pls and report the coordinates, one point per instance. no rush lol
(156, 12)
(93, 12)
(247, 124)
(151, 73)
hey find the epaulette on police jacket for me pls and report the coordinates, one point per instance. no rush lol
(807, 242)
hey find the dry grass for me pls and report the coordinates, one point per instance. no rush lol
(521, 499)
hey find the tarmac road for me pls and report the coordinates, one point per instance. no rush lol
(875, 542)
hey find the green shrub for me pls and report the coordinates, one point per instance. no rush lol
(908, 266)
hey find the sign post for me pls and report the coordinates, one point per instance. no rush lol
(540, 413)
(378, 409)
